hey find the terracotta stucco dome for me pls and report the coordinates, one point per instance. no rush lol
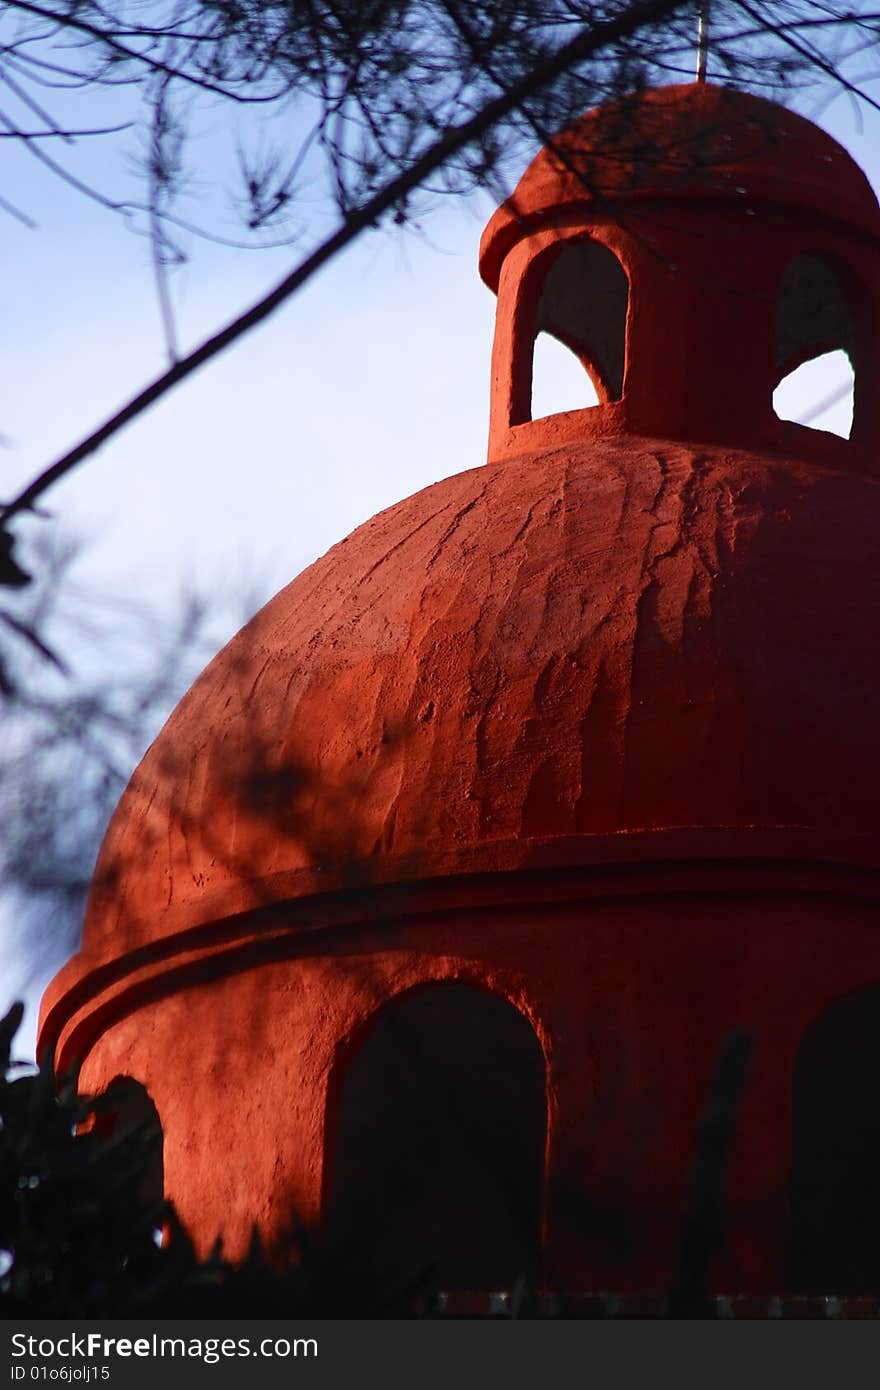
(613, 649)
(582, 742)
(610, 643)
(681, 142)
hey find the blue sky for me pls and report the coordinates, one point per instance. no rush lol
(368, 385)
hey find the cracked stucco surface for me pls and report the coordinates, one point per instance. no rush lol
(631, 634)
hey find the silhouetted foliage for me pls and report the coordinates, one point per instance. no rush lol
(376, 83)
(79, 1228)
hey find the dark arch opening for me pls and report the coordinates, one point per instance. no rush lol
(834, 1237)
(815, 347)
(583, 306)
(438, 1150)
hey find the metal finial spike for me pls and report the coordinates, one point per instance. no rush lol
(702, 39)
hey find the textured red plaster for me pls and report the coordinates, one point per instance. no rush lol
(592, 727)
(628, 636)
(630, 1001)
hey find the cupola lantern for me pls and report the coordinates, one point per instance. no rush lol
(691, 246)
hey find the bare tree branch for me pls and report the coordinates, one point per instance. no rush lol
(810, 55)
(585, 45)
(72, 20)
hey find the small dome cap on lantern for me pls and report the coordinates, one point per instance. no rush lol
(685, 141)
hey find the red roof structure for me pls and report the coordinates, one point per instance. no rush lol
(439, 892)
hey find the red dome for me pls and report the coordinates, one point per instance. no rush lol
(621, 649)
(695, 140)
(591, 729)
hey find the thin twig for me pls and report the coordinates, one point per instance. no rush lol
(810, 55)
(159, 177)
(17, 213)
(74, 21)
(70, 134)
